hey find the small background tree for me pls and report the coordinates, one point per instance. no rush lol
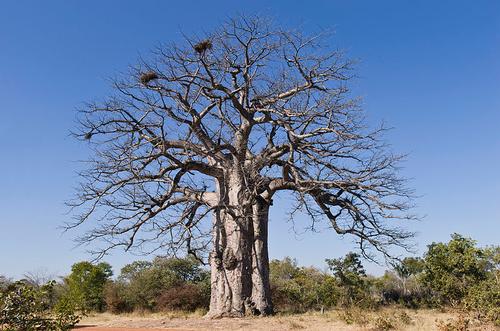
(450, 269)
(85, 285)
(351, 276)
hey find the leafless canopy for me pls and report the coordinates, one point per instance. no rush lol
(274, 103)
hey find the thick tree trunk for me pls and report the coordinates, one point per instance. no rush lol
(239, 260)
(231, 257)
(231, 267)
(261, 290)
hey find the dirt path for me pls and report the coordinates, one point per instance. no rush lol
(95, 328)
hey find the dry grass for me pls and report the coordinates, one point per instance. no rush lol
(354, 319)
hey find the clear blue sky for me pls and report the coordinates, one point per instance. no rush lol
(429, 68)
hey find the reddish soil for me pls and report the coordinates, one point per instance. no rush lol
(95, 328)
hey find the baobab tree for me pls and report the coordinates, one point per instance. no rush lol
(195, 141)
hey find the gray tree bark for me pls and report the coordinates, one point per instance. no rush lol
(231, 267)
(239, 260)
(261, 289)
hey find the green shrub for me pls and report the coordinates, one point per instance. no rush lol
(484, 299)
(353, 283)
(142, 283)
(27, 308)
(298, 289)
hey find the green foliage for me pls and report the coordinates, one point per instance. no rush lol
(349, 270)
(492, 257)
(313, 289)
(299, 289)
(408, 267)
(451, 269)
(484, 299)
(328, 292)
(352, 280)
(133, 270)
(284, 289)
(457, 273)
(27, 308)
(142, 283)
(85, 286)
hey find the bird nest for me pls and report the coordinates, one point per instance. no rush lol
(148, 77)
(203, 46)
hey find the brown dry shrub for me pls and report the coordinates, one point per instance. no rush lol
(405, 319)
(462, 323)
(384, 322)
(113, 296)
(186, 297)
(354, 316)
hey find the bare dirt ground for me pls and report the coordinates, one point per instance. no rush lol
(394, 319)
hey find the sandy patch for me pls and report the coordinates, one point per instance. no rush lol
(400, 319)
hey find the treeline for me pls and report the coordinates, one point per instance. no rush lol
(453, 274)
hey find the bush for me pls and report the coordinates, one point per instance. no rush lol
(26, 308)
(352, 280)
(461, 323)
(141, 283)
(298, 289)
(384, 322)
(185, 297)
(391, 290)
(484, 299)
(354, 316)
(405, 319)
(114, 296)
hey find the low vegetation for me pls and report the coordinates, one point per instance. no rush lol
(457, 275)
(27, 307)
